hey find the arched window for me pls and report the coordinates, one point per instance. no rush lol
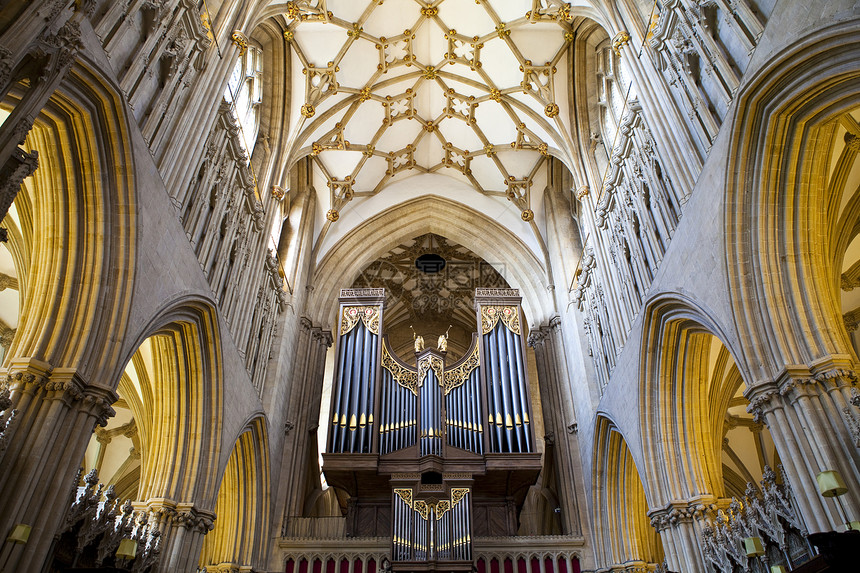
(612, 92)
(245, 93)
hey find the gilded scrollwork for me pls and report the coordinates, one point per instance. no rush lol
(405, 377)
(352, 314)
(422, 507)
(434, 363)
(490, 315)
(457, 494)
(405, 494)
(442, 507)
(459, 374)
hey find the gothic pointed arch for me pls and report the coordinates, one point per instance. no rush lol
(75, 235)
(81, 194)
(240, 537)
(781, 213)
(431, 214)
(789, 220)
(681, 411)
(622, 533)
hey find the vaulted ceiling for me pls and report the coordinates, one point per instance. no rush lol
(476, 90)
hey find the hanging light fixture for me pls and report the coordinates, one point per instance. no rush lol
(127, 549)
(20, 534)
(753, 546)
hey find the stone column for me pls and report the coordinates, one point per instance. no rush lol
(559, 420)
(810, 417)
(680, 527)
(303, 414)
(56, 414)
(183, 527)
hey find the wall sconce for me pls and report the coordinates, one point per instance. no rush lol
(830, 484)
(753, 546)
(127, 549)
(20, 534)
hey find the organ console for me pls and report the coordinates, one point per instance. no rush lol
(432, 454)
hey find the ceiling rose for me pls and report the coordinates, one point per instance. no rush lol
(474, 89)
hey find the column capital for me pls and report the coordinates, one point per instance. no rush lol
(677, 512)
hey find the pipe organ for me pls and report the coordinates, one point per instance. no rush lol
(434, 453)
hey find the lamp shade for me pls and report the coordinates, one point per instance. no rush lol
(830, 483)
(127, 549)
(778, 569)
(753, 546)
(20, 534)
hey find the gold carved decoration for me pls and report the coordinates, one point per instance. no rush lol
(456, 376)
(442, 507)
(405, 377)
(405, 494)
(439, 507)
(490, 315)
(422, 507)
(457, 495)
(352, 314)
(431, 362)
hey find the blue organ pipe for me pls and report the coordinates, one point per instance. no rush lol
(498, 391)
(336, 393)
(523, 389)
(360, 392)
(350, 382)
(506, 382)
(345, 376)
(462, 416)
(413, 426)
(476, 406)
(355, 387)
(494, 401)
(384, 416)
(455, 415)
(491, 395)
(516, 413)
(367, 393)
(395, 419)
(370, 369)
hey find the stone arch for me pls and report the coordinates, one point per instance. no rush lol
(779, 215)
(76, 236)
(187, 381)
(240, 538)
(622, 534)
(77, 226)
(430, 214)
(681, 415)
(173, 385)
(783, 230)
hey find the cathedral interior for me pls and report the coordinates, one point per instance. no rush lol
(495, 286)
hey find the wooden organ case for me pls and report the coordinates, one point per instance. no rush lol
(432, 455)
